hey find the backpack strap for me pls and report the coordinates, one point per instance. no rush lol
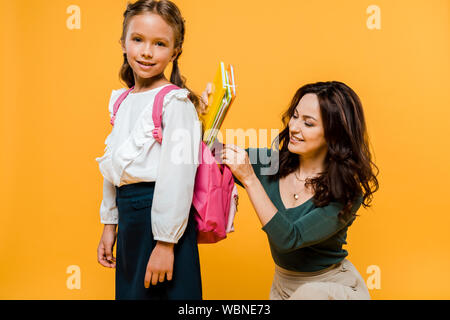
(118, 102)
(157, 111)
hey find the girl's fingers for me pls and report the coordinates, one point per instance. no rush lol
(108, 253)
(155, 277)
(100, 254)
(105, 263)
(105, 257)
(102, 261)
(205, 95)
(101, 257)
(148, 276)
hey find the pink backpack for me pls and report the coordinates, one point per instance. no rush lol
(215, 194)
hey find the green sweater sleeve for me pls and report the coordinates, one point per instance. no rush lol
(316, 226)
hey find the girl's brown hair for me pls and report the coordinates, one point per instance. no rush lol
(349, 170)
(172, 16)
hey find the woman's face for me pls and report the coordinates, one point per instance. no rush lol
(306, 133)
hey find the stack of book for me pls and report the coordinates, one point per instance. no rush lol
(222, 96)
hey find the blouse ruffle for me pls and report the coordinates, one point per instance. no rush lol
(116, 158)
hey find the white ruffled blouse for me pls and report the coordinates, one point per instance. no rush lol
(132, 155)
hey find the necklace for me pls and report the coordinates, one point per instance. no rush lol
(296, 196)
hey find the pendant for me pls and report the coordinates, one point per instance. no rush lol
(295, 196)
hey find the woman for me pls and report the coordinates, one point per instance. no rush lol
(324, 174)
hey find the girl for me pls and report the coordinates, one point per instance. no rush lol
(324, 175)
(145, 191)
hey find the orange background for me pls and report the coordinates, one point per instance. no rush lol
(55, 88)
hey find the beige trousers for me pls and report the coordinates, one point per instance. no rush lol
(339, 282)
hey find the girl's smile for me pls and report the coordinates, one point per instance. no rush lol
(146, 65)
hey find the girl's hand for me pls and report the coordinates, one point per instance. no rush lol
(105, 248)
(237, 160)
(160, 264)
(204, 98)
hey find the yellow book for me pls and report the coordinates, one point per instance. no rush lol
(217, 94)
(228, 99)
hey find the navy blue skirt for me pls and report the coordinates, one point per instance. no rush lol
(135, 243)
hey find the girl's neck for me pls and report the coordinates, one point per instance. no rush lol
(142, 85)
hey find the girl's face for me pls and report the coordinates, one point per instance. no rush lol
(149, 46)
(306, 133)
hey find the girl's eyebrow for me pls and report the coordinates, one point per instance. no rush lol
(135, 34)
(157, 38)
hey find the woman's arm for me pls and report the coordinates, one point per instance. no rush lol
(238, 161)
(264, 207)
(284, 232)
(318, 225)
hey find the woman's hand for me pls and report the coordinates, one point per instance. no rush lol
(105, 248)
(238, 162)
(204, 98)
(160, 264)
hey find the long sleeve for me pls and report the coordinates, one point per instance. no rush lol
(109, 213)
(176, 170)
(312, 228)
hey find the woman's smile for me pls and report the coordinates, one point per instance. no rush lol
(294, 139)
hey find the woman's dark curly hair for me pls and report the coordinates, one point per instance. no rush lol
(348, 170)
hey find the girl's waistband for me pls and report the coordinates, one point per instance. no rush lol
(135, 189)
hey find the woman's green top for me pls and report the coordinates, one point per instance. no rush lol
(305, 238)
